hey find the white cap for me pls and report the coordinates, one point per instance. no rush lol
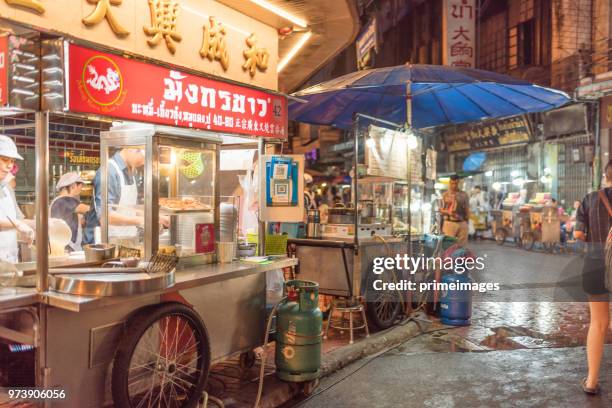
(68, 179)
(8, 148)
(307, 178)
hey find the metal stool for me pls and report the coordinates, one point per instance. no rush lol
(346, 306)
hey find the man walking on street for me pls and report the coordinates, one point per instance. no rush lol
(456, 212)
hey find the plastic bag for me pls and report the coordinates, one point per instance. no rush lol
(275, 283)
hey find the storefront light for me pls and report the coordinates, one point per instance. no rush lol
(547, 171)
(489, 173)
(280, 12)
(544, 180)
(293, 51)
(497, 186)
(518, 182)
(515, 173)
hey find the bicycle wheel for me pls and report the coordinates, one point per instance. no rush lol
(382, 306)
(163, 360)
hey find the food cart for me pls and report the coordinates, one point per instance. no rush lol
(133, 334)
(368, 227)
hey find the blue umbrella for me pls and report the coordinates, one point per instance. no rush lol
(438, 95)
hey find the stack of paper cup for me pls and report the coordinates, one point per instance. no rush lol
(225, 251)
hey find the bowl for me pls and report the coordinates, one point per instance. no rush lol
(98, 252)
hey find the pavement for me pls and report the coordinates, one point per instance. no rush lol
(512, 379)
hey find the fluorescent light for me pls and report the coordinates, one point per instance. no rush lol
(497, 186)
(489, 173)
(515, 173)
(280, 12)
(293, 51)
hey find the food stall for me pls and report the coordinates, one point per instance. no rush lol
(384, 157)
(160, 307)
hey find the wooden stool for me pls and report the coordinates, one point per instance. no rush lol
(345, 306)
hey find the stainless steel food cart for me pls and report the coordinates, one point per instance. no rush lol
(342, 261)
(96, 335)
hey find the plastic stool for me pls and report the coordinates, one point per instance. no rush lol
(345, 306)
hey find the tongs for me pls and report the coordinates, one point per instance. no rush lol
(159, 263)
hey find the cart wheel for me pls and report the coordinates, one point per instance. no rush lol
(527, 240)
(500, 236)
(247, 360)
(163, 359)
(382, 306)
(309, 387)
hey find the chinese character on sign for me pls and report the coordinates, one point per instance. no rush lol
(33, 5)
(164, 14)
(213, 43)
(461, 48)
(458, 10)
(103, 11)
(461, 33)
(255, 58)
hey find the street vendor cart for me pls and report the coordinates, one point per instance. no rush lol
(144, 323)
(366, 228)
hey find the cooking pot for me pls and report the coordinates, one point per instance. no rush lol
(341, 215)
(98, 252)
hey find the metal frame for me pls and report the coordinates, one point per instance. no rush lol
(151, 138)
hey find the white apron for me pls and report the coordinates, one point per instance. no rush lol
(129, 198)
(76, 245)
(9, 250)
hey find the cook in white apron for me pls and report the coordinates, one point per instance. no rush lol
(9, 250)
(128, 198)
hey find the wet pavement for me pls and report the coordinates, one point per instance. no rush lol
(516, 378)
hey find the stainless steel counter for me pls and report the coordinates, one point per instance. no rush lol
(17, 297)
(184, 279)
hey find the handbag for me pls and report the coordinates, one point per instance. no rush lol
(608, 245)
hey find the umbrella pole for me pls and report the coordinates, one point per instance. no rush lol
(408, 162)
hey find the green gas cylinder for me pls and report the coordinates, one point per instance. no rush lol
(299, 324)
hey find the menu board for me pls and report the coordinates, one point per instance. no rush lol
(387, 154)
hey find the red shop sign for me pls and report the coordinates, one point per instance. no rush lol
(110, 85)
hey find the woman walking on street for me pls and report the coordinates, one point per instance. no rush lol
(593, 222)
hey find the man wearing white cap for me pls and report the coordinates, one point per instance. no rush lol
(12, 227)
(67, 206)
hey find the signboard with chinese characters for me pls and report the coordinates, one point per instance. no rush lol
(111, 85)
(202, 35)
(487, 135)
(459, 39)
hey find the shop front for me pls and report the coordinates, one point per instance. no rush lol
(149, 118)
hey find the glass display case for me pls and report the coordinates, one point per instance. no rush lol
(160, 191)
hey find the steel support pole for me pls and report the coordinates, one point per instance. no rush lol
(408, 162)
(42, 200)
(261, 228)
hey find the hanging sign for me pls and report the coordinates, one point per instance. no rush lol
(366, 41)
(503, 132)
(110, 85)
(459, 33)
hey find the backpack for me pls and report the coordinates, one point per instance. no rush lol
(608, 245)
